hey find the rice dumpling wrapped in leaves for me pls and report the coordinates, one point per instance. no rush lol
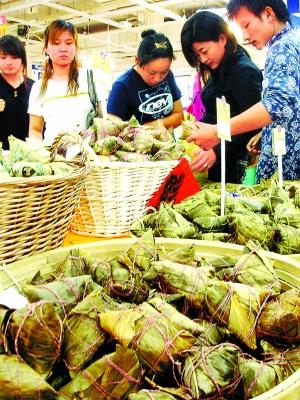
(246, 227)
(59, 168)
(82, 334)
(209, 371)
(289, 358)
(181, 255)
(280, 318)
(212, 334)
(144, 142)
(180, 278)
(217, 236)
(236, 306)
(140, 254)
(287, 239)
(75, 264)
(18, 381)
(128, 156)
(259, 377)
(110, 144)
(146, 394)
(276, 195)
(169, 223)
(156, 340)
(27, 169)
(145, 222)
(107, 127)
(64, 293)
(194, 206)
(4, 315)
(177, 318)
(297, 198)
(256, 269)
(19, 150)
(170, 151)
(212, 223)
(36, 333)
(287, 213)
(114, 376)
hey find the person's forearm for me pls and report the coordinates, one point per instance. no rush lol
(256, 117)
(36, 134)
(172, 120)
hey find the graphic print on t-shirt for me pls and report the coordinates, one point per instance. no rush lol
(156, 101)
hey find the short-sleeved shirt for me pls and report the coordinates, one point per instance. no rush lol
(130, 95)
(281, 97)
(14, 120)
(61, 110)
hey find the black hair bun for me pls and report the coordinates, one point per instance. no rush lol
(148, 32)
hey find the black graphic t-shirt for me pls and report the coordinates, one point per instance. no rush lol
(130, 95)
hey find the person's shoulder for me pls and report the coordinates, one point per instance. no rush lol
(243, 62)
(290, 40)
(125, 76)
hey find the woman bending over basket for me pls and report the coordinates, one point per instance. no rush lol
(60, 101)
(15, 87)
(148, 90)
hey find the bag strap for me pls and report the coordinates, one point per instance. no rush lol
(92, 91)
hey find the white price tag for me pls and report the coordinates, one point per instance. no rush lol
(278, 141)
(223, 119)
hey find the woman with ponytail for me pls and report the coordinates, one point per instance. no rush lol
(148, 90)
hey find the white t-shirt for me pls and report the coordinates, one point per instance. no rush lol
(61, 110)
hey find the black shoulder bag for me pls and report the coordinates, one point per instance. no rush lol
(93, 113)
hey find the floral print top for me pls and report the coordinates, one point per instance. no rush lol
(281, 97)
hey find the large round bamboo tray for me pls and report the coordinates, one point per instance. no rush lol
(288, 271)
(36, 212)
(115, 194)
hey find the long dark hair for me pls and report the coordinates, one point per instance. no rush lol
(205, 26)
(257, 6)
(50, 35)
(13, 46)
(152, 46)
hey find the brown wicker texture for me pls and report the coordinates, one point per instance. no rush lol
(36, 212)
(115, 194)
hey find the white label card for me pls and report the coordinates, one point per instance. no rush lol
(278, 141)
(223, 119)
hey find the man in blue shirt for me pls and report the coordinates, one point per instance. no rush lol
(267, 22)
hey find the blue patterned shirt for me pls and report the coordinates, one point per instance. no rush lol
(281, 97)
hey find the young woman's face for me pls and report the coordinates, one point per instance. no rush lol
(256, 30)
(63, 49)
(210, 53)
(155, 71)
(10, 65)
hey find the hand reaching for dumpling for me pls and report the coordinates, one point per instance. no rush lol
(203, 160)
(204, 135)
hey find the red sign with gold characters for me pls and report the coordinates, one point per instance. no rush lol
(179, 184)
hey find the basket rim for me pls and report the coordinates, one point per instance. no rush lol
(13, 180)
(134, 164)
(206, 247)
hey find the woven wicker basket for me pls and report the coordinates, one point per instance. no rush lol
(35, 212)
(115, 194)
(288, 271)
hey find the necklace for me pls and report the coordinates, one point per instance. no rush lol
(16, 89)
